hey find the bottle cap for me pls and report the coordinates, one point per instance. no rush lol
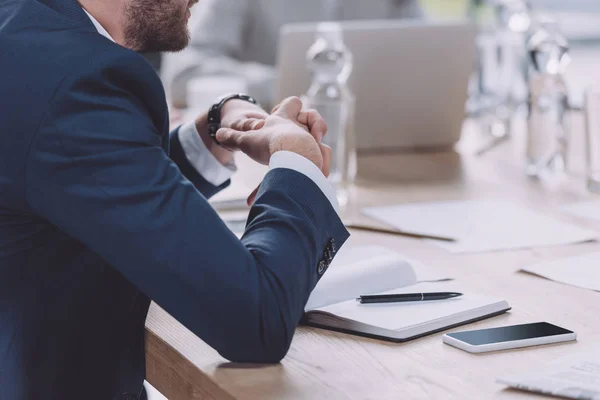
(548, 48)
(514, 15)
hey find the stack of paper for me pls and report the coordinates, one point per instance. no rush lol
(479, 226)
(571, 377)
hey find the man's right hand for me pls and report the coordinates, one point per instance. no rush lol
(283, 130)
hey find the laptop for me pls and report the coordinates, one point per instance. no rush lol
(410, 79)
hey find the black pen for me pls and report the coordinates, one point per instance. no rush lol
(406, 297)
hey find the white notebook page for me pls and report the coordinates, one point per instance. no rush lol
(361, 270)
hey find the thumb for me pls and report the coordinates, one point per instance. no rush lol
(230, 138)
(290, 108)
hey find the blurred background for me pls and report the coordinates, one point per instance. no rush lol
(428, 85)
(579, 21)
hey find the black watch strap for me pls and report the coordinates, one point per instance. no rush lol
(214, 113)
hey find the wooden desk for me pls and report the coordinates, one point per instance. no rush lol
(327, 365)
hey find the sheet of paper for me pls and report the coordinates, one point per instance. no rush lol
(581, 271)
(586, 209)
(404, 315)
(480, 226)
(573, 377)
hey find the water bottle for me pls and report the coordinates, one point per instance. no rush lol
(330, 63)
(513, 21)
(548, 102)
(500, 87)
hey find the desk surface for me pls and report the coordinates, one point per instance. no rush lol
(332, 365)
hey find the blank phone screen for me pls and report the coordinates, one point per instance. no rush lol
(509, 333)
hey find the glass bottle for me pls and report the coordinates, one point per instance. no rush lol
(330, 63)
(499, 88)
(548, 102)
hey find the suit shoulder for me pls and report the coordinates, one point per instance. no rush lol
(108, 58)
(103, 66)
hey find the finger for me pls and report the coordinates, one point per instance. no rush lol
(258, 124)
(248, 124)
(327, 154)
(315, 123)
(257, 114)
(274, 110)
(252, 197)
(230, 138)
(290, 108)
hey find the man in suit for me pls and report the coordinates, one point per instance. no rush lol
(103, 210)
(240, 37)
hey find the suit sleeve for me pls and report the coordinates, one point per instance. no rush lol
(96, 170)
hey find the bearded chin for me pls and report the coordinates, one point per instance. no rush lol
(151, 28)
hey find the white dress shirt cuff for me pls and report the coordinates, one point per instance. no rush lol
(202, 159)
(293, 161)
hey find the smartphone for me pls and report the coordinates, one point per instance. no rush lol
(509, 337)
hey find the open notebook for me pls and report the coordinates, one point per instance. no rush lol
(372, 270)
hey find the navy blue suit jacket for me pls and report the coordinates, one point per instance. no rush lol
(100, 213)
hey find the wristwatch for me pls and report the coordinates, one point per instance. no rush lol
(214, 113)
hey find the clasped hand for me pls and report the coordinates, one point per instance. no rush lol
(288, 128)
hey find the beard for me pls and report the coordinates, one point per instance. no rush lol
(156, 26)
